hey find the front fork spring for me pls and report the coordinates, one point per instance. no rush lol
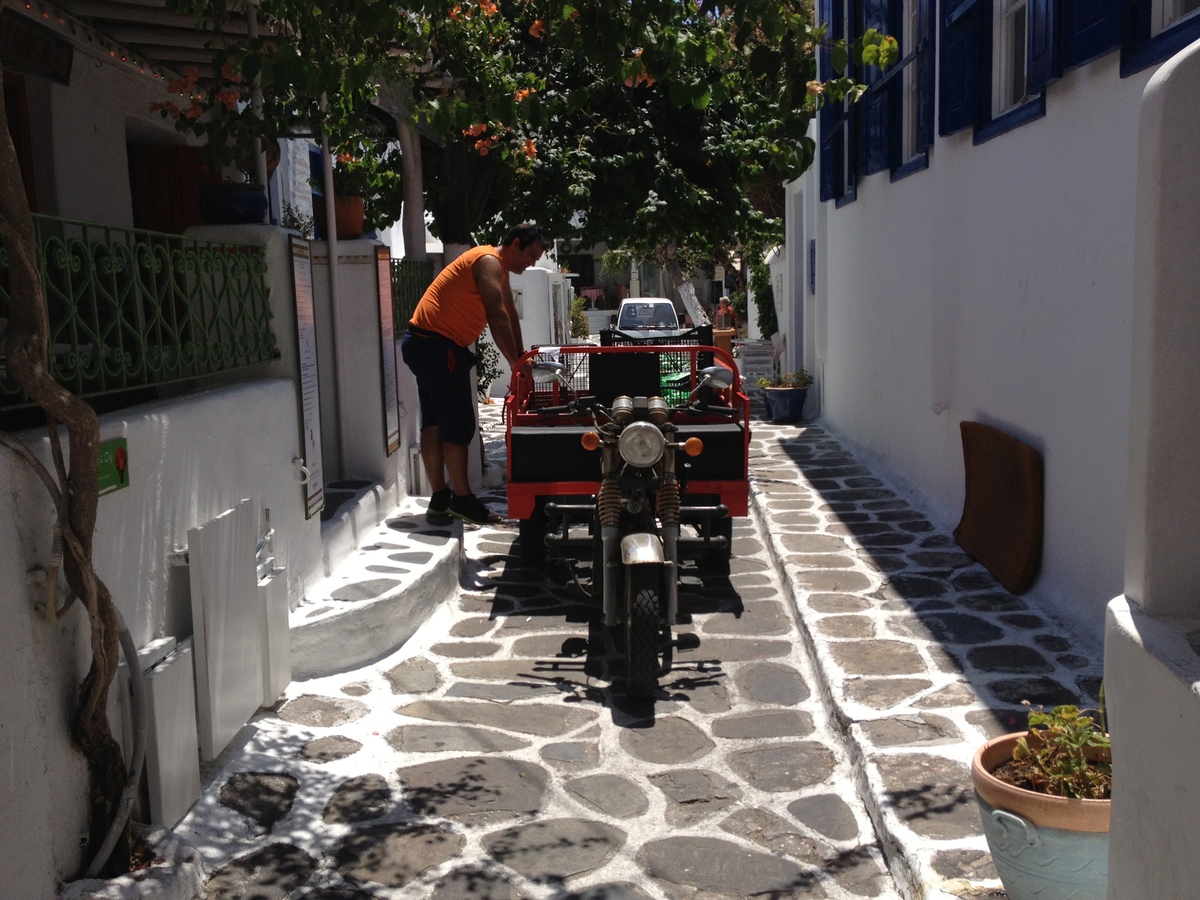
(608, 502)
(668, 501)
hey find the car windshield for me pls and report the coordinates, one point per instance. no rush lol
(648, 315)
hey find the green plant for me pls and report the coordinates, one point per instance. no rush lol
(764, 298)
(579, 319)
(798, 379)
(294, 219)
(1065, 753)
(487, 364)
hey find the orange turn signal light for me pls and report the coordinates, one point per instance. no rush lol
(693, 446)
(590, 440)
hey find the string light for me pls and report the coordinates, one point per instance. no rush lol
(79, 33)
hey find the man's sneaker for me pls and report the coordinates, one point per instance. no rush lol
(470, 509)
(438, 512)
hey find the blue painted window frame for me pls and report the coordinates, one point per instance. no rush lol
(1140, 50)
(967, 34)
(838, 124)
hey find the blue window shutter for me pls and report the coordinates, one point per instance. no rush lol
(1090, 28)
(827, 116)
(925, 70)
(1042, 65)
(877, 107)
(960, 83)
(828, 113)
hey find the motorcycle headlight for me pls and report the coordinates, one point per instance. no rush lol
(641, 444)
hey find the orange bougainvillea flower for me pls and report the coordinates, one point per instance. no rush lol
(489, 8)
(186, 84)
(475, 130)
(229, 97)
(530, 148)
(523, 93)
(194, 111)
(456, 13)
(229, 74)
(482, 147)
(537, 29)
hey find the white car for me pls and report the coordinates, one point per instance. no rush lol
(648, 317)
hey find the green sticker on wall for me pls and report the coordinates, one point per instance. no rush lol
(113, 469)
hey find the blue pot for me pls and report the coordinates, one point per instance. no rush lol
(1044, 847)
(1039, 863)
(785, 405)
(233, 204)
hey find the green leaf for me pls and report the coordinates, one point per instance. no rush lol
(839, 58)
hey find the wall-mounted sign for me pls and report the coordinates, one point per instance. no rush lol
(29, 47)
(113, 469)
(387, 334)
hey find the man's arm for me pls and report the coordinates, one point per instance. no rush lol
(514, 317)
(489, 278)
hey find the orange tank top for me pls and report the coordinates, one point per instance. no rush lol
(452, 306)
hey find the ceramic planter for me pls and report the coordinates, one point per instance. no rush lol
(233, 203)
(784, 405)
(1044, 847)
(348, 214)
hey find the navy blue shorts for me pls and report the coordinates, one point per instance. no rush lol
(443, 373)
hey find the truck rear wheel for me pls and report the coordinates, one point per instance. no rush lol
(532, 532)
(719, 558)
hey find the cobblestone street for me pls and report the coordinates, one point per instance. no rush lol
(815, 745)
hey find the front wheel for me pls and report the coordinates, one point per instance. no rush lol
(641, 632)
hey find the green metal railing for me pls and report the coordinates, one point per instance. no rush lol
(410, 278)
(133, 309)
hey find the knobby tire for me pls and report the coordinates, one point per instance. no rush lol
(641, 632)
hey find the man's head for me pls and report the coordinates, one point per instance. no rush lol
(522, 247)
(723, 302)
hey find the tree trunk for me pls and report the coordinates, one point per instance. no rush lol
(413, 213)
(26, 346)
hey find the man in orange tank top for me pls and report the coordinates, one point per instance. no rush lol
(471, 293)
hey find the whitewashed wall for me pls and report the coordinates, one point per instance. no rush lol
(189, 460)
(90, 121)
(995, 286)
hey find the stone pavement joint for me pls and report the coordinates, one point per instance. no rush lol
(815, 744)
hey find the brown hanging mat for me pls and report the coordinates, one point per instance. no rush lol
(1001, 523)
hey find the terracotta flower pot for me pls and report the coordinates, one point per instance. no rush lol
(348, 215)
(1043, 846)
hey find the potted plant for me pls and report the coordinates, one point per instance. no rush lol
(367, 190)
(1043, 796)
(217, 110)
(784, 395)
(351, 185)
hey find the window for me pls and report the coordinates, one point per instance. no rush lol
(997, 56)
(1008, 69)
(1166, 13)
(891, 127)
(1156, 30)
(916, 132)
(837, 121)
